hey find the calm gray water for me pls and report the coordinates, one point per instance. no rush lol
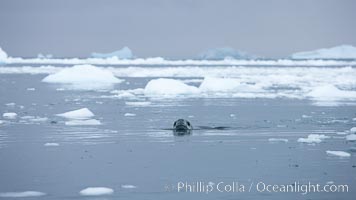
(139, 151)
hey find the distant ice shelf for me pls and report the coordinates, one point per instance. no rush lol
(338, 52)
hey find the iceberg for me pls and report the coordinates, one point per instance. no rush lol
(3, 55)
(124, 53)
(223, 53)
(338, 52)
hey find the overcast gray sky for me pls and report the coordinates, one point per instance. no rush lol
(175, 29)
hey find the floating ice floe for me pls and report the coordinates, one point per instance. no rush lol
(84, 122)
(10, 104)
(331, 93)
(9, 115)
(353, 130)
(213, 84)
(277, 140)
(51, 144)
(129, 94)
(80, 117)
(168, 87)
(351, 137)
(96, 191)
(338, 153)
(128, 186)
(86, 77)
(22, 194)
(83, 113)
(129, 114)
(313, 138)
(31, 89)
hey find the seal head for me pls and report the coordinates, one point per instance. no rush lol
(182, 127)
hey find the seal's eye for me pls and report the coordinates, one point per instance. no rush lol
(188, 123)
(175, 123)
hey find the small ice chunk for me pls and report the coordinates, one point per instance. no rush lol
(84, 122)
(10, 104)
(306, 116)
(83, 113)
(313, 138)
(351, 137)
(278, 140)
(9, 115)
(130, 114)
(22, 194)
(353, 130)
(330, 182)
(51, 144)
(96, 191)
(31, 89)
(128, 186)
(232, 115)
(339, 153)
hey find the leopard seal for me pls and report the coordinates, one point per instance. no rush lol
(182, 127)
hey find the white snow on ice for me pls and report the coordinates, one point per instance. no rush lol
(51, 144)
(129, 114)
(9, 115)
(168, 87)
(83, 113)
(96, 191)
(338, 153)
(353, 130)
(351, 137)
(338, 52)
(277, 140)
(313, 138)
(138, 103)
(86, 77)
(22, 194)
